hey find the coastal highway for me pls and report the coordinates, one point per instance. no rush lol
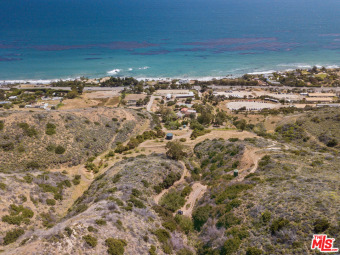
(118, 89)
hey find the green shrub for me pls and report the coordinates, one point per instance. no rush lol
(172, 200)
(7, 146)
(169, 180)
(321, 225)
(50, 129)
(240, 233)
(137, 203)
(145, 183)
(110, 154)
(100, 222)
(136, 192)
(233, 139)
(51, 189)
(92, 229)
(81, 208)
(170, 225)
(182, 140)
(201, 215)
(27, 130)
(1, 125)
(231, 192)
(76, 179)
(162, 235)
(152, 250)
(47, 220)
(21, 149)
(185, 223)
(231, 246)
(13, 219)
(228, 220)
(278, 224)
(184, 251)
(90, 240)
(50, 202)
(12, 235)
(116, 178)
(50, 147)
(32, 165)
(186, 191)
(266, 216)
(115, 246)
(18, 214)
(68, 231)
(3, 186)
(59, 149)
(28, 178)
(253, 251)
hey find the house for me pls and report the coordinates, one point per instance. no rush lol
(321, 94)
(188, 112)
(271, 99)
(57, 98)
(328, 105)
(191, 94)
(5, 102)
(168, 96)
(183, 81)
(12, 97)
(169, 136)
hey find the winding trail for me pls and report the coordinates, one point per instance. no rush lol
(197, 193)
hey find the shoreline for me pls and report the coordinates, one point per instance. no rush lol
(202, 78)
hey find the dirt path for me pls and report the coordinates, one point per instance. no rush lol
(198, 191)
(255, 157)
(185, 173)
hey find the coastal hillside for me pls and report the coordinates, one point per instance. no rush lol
(116, 212)
(263, 183)
(39, 140)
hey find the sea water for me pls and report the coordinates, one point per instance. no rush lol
(52, 39)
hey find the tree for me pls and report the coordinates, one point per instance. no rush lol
(176, 150)
(2, 95)
(205, 118)
(72, 94)
(59, 149)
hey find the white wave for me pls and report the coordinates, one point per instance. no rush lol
(39, 81)
(296, 65)
(332, 66)
(114, 71)
(130, 69)
(263, 72)
(144, 68)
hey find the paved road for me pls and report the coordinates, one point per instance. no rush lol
(148, 107)
(272, 87)
(118, 89)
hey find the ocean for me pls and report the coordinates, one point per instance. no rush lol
(60, 39)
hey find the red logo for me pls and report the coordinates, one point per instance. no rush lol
(323, 244)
